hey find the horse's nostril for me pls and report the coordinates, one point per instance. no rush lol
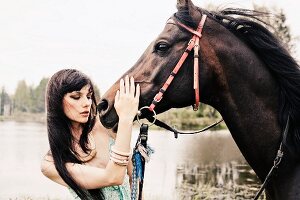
(102, 106)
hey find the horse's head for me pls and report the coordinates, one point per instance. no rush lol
(157, 62)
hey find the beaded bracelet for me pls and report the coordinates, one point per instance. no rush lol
(117, 156)
(119, 162)
(113, 149)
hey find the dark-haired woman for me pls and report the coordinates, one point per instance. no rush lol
(84, 156)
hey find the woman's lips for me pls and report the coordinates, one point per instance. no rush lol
(85, 113)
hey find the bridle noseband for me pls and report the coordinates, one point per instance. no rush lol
(193, 44)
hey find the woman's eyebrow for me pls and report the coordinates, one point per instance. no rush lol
(79, 92)
(76, 92)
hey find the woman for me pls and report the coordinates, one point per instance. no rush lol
(84, 156)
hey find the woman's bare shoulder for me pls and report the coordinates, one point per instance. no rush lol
(48, 157)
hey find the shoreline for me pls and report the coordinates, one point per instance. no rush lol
(25, 117)
(190, 123)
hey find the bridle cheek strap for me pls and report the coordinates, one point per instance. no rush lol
(193, 43)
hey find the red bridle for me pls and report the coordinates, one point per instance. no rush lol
(193, 43)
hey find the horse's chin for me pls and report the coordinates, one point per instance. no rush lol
(109, 124)
(115, 128)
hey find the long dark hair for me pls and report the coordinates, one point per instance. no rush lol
(59, 126)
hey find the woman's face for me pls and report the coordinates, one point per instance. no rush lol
(77, 105)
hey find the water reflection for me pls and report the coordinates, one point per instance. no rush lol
(22, 146)
(229, 180)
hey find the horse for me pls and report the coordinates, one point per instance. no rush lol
(245, 73)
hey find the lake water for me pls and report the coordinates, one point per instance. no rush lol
(206, 166)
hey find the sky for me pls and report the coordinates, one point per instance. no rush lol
(101, 38)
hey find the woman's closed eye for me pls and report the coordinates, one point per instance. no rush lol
(75, 97)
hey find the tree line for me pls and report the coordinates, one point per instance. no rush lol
(26, 98)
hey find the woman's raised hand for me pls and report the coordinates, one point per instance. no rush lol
(127, 99)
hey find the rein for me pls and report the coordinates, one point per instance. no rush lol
(161, 124)
(194, 44)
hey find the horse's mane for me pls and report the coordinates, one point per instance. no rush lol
(246, 25)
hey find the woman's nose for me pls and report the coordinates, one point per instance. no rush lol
(87, 101)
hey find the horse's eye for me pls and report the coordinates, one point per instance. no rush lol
(161, 47)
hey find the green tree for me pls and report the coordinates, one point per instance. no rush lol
(38, 101)
(22, 97)
(4, 100)
(276, 22)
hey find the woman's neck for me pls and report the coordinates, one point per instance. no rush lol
(76, 130)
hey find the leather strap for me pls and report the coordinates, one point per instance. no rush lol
(193, 43)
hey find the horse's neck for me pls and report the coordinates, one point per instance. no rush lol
(250, 110)
(249, 106)
(285, 185)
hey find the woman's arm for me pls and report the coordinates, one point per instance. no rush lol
(49, 170)
(86, 176)
(89, 177)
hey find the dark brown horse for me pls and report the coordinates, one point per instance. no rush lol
(245, 73)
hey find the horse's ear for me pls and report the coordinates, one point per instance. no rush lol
(186, 4)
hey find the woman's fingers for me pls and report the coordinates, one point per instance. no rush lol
(128, 87)
(117, 95)
(122, 89)
(127, 98)
(127, 91)
(132, 86)
(137, 92)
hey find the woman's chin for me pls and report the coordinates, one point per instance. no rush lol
(83, 121)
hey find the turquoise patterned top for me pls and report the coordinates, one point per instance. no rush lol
(120, 192)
